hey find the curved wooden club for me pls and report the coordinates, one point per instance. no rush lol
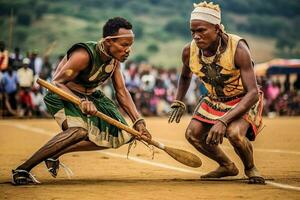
(181, 156)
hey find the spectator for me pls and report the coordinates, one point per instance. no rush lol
(147, 82)
(132, 80)
(10, 86)
(287, 83)
(297, 84)
(26, 103)
(3, 57)
(46, 70)
(25, 75)
(16, 59)
(36, 63)
(273, 91)
(38, 105)
(1, 95)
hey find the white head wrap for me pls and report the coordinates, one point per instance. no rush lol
(208, 12)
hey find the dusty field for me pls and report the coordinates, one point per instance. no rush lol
(109, 175)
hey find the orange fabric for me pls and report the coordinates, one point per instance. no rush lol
(3, 60)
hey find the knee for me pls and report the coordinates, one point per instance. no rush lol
(78, 132)
(189, 136)
(234, 137)
(192, 136)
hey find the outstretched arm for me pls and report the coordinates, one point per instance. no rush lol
(123, 96)
(185, 76)
(126, 102)
(178, 107)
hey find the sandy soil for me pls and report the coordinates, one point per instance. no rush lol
(109, 175)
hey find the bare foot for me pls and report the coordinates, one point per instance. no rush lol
(254, 176)
(222, 171)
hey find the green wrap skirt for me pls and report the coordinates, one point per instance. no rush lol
(99, 131)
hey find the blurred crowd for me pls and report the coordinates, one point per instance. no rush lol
(20, 96)
(152, 88)
(281, 98)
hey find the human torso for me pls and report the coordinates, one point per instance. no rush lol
(25, 76)
(10, 82)
(95, 74)
(221, 79)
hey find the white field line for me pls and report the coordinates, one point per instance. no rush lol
(157, 164)
(283, 186)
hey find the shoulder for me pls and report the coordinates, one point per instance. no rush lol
(77, 60)
(242, 49)
(186, 49)
(242, 55)
(240, 43)
(79, 54)
(85, 48)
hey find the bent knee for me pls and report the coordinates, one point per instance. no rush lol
(78, 132)
(189, 135)
(192, 136)
(234, 136)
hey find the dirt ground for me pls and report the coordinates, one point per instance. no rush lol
(110, 175)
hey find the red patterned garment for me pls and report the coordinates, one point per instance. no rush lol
(209, 110)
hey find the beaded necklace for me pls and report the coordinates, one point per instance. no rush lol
(100, 47)
(211, 61)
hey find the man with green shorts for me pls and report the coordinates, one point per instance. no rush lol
(85, 67)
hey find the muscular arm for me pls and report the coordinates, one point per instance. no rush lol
(243, 62)
(123, 96)
(186, 74)
(67, 70)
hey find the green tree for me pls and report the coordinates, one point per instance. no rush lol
(178, 27)
(138, 30)
(40, 10)
(140, 58)
(24, 18)
(152, 48)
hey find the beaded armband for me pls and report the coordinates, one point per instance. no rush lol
(180, 103)
(137, 121)
(223, 122)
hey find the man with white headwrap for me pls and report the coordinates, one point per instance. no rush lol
(86, 66)
(233, 105)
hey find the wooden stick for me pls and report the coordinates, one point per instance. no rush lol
(182, 156)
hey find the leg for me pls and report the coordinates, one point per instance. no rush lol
(53, 163)
(196, 134)
(55, 145)
(236, 134)
(85, 145)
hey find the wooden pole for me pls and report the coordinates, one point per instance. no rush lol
(180, 155)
